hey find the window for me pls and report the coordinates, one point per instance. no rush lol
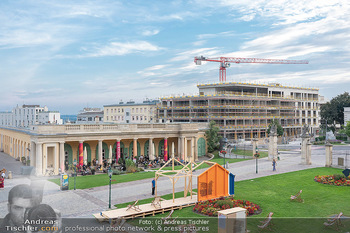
(140, 110)
(127, 113)
(132, 110)
(133, 118)
(140, 118)
(137, 118)
(118, 109)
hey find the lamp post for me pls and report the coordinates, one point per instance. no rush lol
(256, 155)
(75, 173)
(224, 153)
(110, 173)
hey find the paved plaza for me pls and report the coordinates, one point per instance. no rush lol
(84, 203)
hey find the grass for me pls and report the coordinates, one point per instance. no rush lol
(249, 153)
(273, 193)
(216, 159)
(90, 181)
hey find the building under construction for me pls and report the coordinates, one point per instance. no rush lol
(244, 110)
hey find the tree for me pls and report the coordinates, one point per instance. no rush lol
(333, 111)
(278, 126)
(213, 139)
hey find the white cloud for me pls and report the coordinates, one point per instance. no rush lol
(119, 48)
(156, 67)
(150, 32)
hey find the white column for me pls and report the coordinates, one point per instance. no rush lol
(100, 152)
(39, 159)
(62, 156)
(185, 149)
(172, 149)
(32, 153)
(192, 149)
(195, 147)
(179, 148)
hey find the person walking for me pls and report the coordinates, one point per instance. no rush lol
(153, 186)
(274, 164)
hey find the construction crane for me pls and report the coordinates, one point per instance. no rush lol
(226, 61)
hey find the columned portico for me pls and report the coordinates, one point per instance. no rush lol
(56, 146)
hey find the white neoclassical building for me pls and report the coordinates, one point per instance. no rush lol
(52, 146)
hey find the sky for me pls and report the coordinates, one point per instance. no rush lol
(68, 55)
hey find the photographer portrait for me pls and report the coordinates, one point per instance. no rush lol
(27, 214)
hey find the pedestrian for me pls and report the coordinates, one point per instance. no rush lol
(153, 186)
(274, 164)
(2, 182)
(3, 173)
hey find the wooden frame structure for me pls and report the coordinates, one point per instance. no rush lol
(186, 172)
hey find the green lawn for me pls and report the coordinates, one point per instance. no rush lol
(249, 153)
(273, 193)
(216, 159)
(90, 181)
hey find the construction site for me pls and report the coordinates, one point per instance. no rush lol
(244, 110)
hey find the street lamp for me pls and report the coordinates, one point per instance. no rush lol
(110, 173)
(75, 172)
(256, 155)
(224, 153)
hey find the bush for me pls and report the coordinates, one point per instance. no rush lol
(341, 137)
(338, 176)
(224, 203)
(320, 138)
(130, 166)
(117, 172)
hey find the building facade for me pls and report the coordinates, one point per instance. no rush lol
(54, 146)
(49, 117)
(131, 112)
(244, 110)
(26, 115)
(346, 115)
(90, 116)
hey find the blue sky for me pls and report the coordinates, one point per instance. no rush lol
(72, 54)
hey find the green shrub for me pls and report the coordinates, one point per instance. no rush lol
(338, 176)
(117, 172)
(225, 202)
(130, 166)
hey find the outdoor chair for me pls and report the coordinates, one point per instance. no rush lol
(297, 197)
(267, 223)
(169, 217)
(134, 206)
(335, 221)
(116, 225)
(156, 202)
